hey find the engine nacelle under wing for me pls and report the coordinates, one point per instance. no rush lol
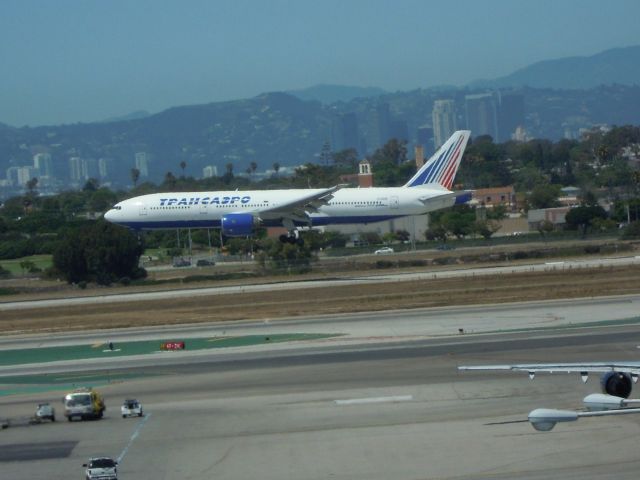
(238, 224)
(617, 384)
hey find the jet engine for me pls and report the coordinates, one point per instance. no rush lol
(238, 224)
(616, 384)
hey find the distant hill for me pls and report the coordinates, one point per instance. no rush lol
(328, 94)
(616, 66)
(138, 114)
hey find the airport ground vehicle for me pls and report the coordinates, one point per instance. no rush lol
(83, 403)
(45, 412)
(131, 408)
(383, 251)
(101, 468)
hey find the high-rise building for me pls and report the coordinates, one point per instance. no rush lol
(42, 164)
(399, 130)
(383, 120)
(344, 132)
(444, 121)
(481, 115)
(425, 138)
(210, 171)
(75, 169)
(103, 167)
(12, 175)
(90, 168)
(510, 115)
(142, 163)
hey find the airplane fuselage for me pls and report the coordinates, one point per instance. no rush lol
(206, 209)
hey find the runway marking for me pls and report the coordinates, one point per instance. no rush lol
(359, 401)
(133, 437)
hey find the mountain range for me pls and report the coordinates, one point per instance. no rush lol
(615, 66)
(291, 129)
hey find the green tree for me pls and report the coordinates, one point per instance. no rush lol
(582, 217)
(346, 158)
(135, 175)
(459, 220)
(27, 266)
(170, 181)
(101, 200)
(486, 228)
(545, 227)
(631, 231)
(99, 252)
(544, 196)
(32, 185)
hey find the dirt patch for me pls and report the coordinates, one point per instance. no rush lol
(327, 300)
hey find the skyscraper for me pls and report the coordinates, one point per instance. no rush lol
(444, 121)
(75, 169)
(142, 163)
(42, 164)
(344, 132)
(103, 167)
(425, 138)
(383, 119)
(481, 115)
(210, 171)
(510, 115)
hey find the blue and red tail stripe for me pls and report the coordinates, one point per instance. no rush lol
(442, 167)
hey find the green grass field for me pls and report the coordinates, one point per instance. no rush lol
(40, 261)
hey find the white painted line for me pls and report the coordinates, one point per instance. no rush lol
(554, 263)
(358, 401)
(147, 416)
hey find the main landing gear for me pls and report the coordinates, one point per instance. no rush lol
(292, 238)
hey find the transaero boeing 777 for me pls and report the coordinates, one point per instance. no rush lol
(238, 213)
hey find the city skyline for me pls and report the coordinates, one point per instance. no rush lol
(77, 61)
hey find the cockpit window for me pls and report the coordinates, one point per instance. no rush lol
(116, 207)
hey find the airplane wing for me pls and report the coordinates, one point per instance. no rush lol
(632, 368)
(299, 208)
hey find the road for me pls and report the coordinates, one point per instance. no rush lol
(384, 402)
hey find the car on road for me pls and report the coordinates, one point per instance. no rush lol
(205, 263)
(181, 262)
(131, 408)
(101, 468)
(383, 251)
(45, 412)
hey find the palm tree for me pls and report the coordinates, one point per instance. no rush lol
(276, 167)
(183, 165)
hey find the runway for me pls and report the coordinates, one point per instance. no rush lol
(375, 408)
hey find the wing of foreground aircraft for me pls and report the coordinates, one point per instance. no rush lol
(616, 382)
(632, 368)
(616, 377)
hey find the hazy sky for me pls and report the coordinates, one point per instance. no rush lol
(65, 61)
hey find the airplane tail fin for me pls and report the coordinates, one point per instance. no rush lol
(441, 168)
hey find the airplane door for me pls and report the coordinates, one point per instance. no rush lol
(142, 210)
(203, 209)
(394, 202)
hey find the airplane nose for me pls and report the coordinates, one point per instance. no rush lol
(109, 216)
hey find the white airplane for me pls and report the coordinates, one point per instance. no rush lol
(616, 382)
(238, 213)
